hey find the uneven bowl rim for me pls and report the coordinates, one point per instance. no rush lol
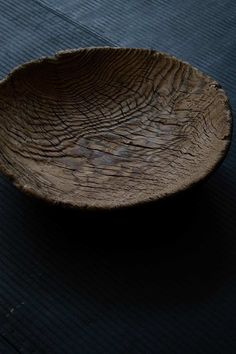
(208, 172)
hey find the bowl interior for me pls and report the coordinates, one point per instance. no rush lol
(107, 127)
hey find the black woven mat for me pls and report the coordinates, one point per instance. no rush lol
(66, 287)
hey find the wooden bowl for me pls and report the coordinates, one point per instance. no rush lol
(110, 127)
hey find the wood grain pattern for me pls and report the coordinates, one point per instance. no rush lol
(109, 127)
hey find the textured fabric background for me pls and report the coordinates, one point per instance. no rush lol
(171, 289)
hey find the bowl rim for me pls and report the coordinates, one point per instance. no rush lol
(181, 189)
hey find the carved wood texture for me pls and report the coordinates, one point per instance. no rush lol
(107, 127)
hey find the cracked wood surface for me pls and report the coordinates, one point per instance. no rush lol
(109, 127)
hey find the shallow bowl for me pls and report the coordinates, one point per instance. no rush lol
(110, 127)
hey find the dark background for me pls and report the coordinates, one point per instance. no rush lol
(167, 282)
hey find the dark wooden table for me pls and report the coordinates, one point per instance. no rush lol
(167, 282)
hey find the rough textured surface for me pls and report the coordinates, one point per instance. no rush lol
(106, 127)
